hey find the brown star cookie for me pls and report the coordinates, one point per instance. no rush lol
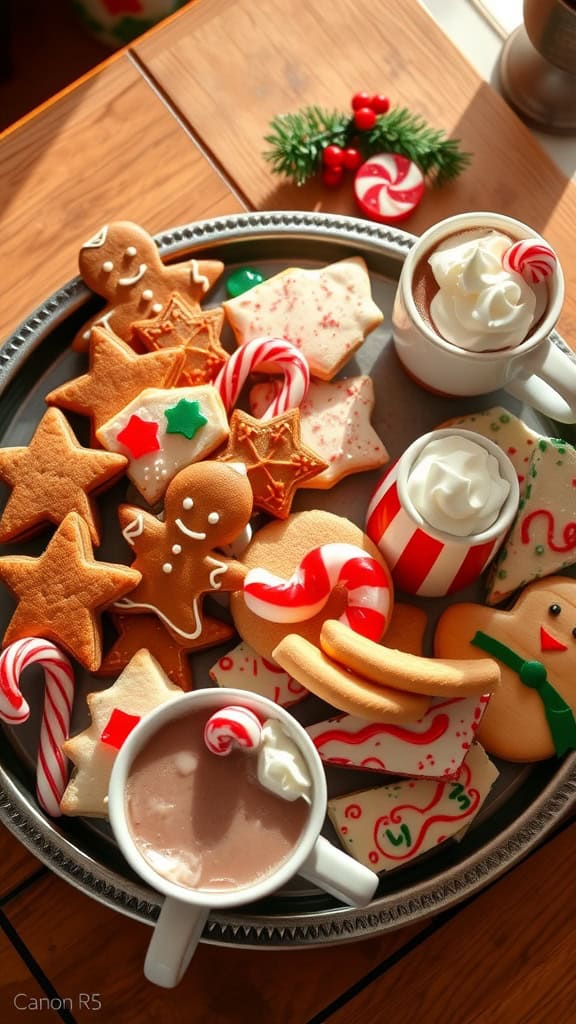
(207, 506)
(54, 475)
(276, 460)
(121, 262)
(138, 631)
(116, 376)
(61, 593)
(198, 334)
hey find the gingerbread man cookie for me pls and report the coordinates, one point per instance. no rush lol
(121, 263)
(531, 714)
(207, 505)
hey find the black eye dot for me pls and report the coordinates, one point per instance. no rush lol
(554, 609)
(574, 632)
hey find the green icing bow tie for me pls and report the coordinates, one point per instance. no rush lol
(559, 715)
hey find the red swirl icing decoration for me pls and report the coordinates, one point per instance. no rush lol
(353, 811)
(436, 729)
(467, 802)
(568, 535)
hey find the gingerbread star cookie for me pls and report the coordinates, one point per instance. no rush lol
(276, 460)
(327, 312)
(121, 263)
(61, 593)
(142, 686)
(54, 475)
(116, 375)
(207, 505)
(335, 423)
(197, 334)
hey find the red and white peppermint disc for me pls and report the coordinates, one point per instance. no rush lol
(388, 187)
(232, 727)
(531, 258)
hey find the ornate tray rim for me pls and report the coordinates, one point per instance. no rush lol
(418, 901)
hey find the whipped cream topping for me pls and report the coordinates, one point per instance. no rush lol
(281, 767)
(480, 306)
(456, 486)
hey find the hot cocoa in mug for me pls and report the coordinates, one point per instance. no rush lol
(464, 323)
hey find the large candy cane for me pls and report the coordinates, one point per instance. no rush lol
(367, 583)
(52, 766)
(253, 354)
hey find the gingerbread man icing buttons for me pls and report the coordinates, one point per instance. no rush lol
(207, 506)
(121, 262)
(531, 715)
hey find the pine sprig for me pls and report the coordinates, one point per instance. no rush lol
(297, 140)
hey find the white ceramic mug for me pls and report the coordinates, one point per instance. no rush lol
(185, 909)
(536, 371)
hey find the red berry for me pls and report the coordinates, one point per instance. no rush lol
(364, 119)
(332, 176)
(360, 99)
(380, 103)
(332, 156)
(351, 159)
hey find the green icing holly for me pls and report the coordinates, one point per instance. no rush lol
(242, 280)
(185, 418)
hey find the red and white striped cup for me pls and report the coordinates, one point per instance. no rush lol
(422, 559)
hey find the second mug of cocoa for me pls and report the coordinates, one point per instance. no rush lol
(468, 321)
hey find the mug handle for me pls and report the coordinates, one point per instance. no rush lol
(550, 386)
(177, 933)
(339, 874)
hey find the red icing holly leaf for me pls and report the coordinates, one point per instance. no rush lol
(118, 727)
(139, 436)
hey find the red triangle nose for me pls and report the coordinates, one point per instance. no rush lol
(549, 642)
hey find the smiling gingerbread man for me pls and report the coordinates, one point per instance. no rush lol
(531, 715)
(207, 506)
(122, 263)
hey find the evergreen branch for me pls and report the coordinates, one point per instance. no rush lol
(297, 140)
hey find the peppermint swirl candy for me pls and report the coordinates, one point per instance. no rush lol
(531, 258)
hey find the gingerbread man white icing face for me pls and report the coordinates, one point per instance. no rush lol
(207, 506)
(121, 263)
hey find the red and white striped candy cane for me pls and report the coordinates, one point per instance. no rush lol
(232, 727)
(52, 766)
(367, 582)
(531, 258)
(253, 354)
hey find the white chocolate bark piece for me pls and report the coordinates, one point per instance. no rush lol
(162, 431)
(141, 687)
(543, 536)
(389, 826)
(335, 423)
(432, 748)
(327, 312)
(511, 434)
(245, 669)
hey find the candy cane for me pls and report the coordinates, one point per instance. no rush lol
(248, 357)
(232, 727)
(52, 767)
(368, 586)
(532, 258)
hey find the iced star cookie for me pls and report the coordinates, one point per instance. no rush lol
(121, 262)
(61, 593)
(509, 432)
(531, 715)
(387, 827)
(115, 376)
(206, 506)
(163, 430)
(54, 475)
(245, 669)
(141, 687)
(431, 748)
(196, 334)
(543, 535)
(326, 312)
(335, 423)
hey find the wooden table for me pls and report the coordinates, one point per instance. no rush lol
(170, 131)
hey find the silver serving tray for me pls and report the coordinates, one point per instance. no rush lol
(527, 801)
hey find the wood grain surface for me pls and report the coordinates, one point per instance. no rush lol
(273, 65)
(107, 149)
(17, 863)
